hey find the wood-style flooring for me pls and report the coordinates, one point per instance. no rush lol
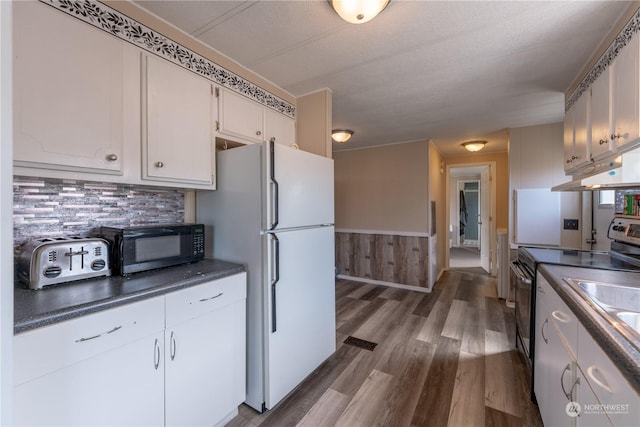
(446, 358)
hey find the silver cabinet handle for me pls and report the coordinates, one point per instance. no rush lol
(258, 133)
(83, 339)
(603, 141)
(614, 136)
(546, 322)
(172, 346)
(569, 394)
(156, 354)
(159, 164)
(112, 157)
(213, 297)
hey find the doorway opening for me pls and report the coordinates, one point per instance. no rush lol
(470, 192)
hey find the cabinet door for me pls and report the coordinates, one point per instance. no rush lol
(554, 368)
(280, 127)
(68, 92)
(625, 82)
(568, 140)
(588, 417)
(607, 382)
(178, 130)
(240, 117)
(541, 358)
(600, 111)
(581, 131)
(205, 369)
(123, 386)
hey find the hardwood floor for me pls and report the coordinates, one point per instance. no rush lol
(442, 359)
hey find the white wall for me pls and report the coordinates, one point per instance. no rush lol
(536, 157)
(6, 215)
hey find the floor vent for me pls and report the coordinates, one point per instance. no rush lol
(357, 342)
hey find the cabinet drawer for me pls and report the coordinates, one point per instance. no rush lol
(565, 323)
(47, 349)
(621, 401)
(198, 300)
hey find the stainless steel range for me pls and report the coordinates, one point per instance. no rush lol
(623, 256)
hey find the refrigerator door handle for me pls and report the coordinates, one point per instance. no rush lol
(274, 184)
(276, 269)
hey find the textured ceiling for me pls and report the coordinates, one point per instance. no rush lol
(448, 71)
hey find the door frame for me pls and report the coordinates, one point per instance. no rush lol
(492, 214)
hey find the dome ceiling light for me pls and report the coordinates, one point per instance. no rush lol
(474, 146)
(341, 135)
(358, 11)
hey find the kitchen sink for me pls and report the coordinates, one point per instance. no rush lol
(631, 319)
(618, 297)
(618, 304)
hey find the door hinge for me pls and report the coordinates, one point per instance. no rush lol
(217, 125)
(490, 178)
(217, 91)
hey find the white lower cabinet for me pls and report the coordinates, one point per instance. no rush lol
(118, 387)
(124, 367)
(575, 382)
(555, 367)
(613, 392)
(205, 352)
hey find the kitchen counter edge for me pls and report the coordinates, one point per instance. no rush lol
(33, 310)
(623, 354)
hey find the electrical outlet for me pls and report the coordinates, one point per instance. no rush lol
(570, 224)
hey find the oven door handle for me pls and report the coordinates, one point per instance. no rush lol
(515, 267)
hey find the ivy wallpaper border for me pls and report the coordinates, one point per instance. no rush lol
(109, 20)
(622, 39)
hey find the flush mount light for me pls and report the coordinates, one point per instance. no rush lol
(474, 146)
(341, 135)
(358, 11)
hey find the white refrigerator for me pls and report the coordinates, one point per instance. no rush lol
(273, 211)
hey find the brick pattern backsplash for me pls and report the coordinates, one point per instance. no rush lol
(52, 208)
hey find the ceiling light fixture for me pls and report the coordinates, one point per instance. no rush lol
(358, 11)
(474, 146)
(341, 135)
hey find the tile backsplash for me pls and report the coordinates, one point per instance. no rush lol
(45, 207)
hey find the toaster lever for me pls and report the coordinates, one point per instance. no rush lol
(73, 253)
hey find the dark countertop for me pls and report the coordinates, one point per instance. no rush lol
(34, 309)
(624, 355)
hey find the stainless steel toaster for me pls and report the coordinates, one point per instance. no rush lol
(49, 261)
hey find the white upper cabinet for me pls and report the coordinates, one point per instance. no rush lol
(600, 112)
(576, 135)
(582, 132)
(625, 113)
(280, 127)
(240, 117)
(69, 92)
(569, 141)
(248, 121)
(177, 126)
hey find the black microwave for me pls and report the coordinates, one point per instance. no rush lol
(142, 248)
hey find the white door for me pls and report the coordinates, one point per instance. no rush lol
(300, 307)
(485, 219)
(299, 188)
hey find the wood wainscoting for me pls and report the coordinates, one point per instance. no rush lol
(389, 258)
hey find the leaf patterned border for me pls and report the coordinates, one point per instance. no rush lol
(107, 19)
(621, 40)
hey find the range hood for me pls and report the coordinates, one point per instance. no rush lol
(619, 173)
